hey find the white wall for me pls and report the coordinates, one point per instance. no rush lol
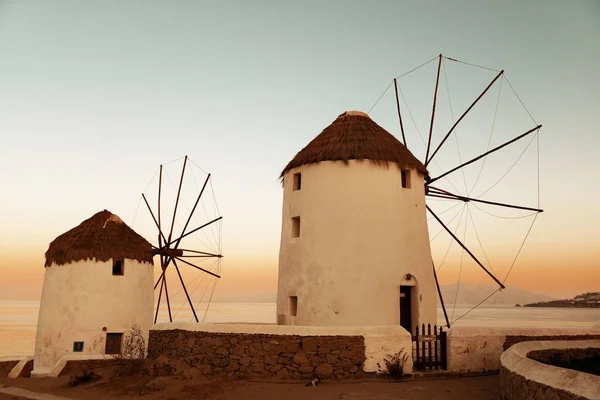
(361, 233)
(567, 382)
(80, 299)
(472, 349)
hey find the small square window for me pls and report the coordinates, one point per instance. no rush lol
(118, 267)
(405, 173)
(78, 347)
(297, 181)
(293, 303)
(296, 227)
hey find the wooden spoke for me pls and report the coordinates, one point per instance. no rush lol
(435, 192)
(185, 290)
(160, 235)
(399, 114)
(437, 81)
(195, 230)
(197, 267)
(193, 209)
(177, 199)
(159, 279)
(167, 297)
(159, 296)
(439, 196)
(427, 161)
(153, 217)
(201, 252)
(465, 247)
(437, 284)
(485, 154)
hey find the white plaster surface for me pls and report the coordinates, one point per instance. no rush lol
(17, 369)
(60, 365)
(579, 383)
(360, 234)
(380, 341)
(474, 349)
(80, 299)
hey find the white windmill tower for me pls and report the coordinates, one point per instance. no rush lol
(355, 248)
(99, 279)
(354, 241)
(97, 285)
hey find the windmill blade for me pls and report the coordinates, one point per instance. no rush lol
(185, 290)
(193, 209)
(178, 194)
(201, 252)
(448, 195)
(195, 230)
(437, 285)
(399, 114)
(160, 279)
(427, 161)
(160, 234)
(464, 247)
(485, 154)
(159, 296)
(153, 217)
(197, 267)
(167, 297)
(437, 82)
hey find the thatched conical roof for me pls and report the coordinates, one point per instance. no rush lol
(355, 136)
(101, 237)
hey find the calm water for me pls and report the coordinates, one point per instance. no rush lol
(18, 319)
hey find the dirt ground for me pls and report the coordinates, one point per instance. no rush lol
(144, 387)
(10, 397)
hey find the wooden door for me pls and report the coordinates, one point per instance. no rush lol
(113, 343)
(405, 308)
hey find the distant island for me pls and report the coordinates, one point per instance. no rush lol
(586, 300)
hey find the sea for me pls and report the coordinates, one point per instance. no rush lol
(18, 319)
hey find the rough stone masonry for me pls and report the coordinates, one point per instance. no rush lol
(179, 352)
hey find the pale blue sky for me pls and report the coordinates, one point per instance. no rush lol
(94, 95)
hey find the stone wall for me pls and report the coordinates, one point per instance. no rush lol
(522, 378)
(255, 355)
(517, 387)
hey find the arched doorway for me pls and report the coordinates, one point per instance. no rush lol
(407, 296)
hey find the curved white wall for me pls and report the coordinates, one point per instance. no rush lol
(360, 234)
(79, 299)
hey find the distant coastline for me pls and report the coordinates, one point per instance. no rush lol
(585, 300)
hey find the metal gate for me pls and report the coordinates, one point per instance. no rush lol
(429, 348)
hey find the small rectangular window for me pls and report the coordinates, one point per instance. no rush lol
(405, 178)
(113, 343)
(296, 227)
(297, 181)
(293, 305)
(117, 267)
(78, 347)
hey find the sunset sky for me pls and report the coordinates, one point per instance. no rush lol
(95, 95)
